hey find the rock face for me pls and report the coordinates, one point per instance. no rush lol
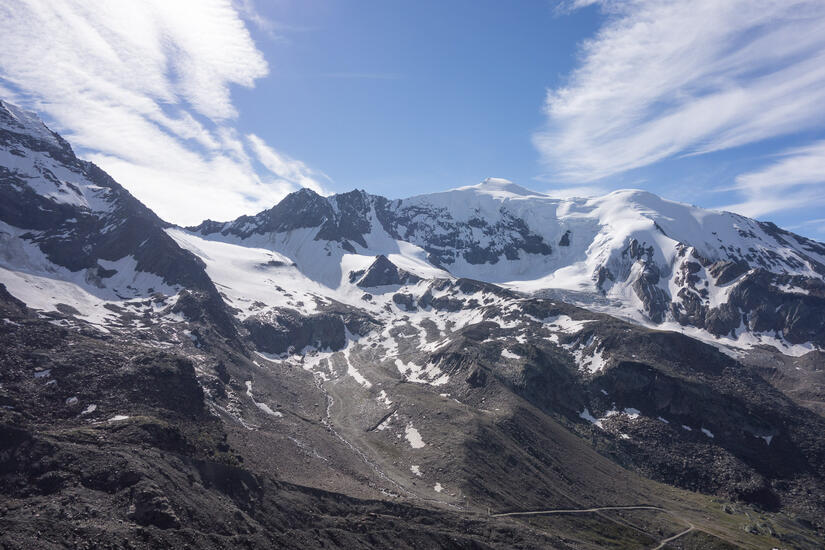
(287, 331)
(62, 217)
(284, 331)
(383, 272)
(75, 213)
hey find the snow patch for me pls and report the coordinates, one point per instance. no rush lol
(262, 406)
(383, 398)
(507, 354)
(413, 437)
(428, 374)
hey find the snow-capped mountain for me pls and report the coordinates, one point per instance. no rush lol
(629, 253)
(370, 366)
(72, 239)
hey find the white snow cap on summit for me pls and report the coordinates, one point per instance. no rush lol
(499, 188)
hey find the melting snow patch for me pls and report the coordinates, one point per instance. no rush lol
(707, 432)
(89, 410)
(688, 428)
(593, 362)
(506, 353)
(382, 398)
(193, 337)
(429, 374)
(43, 373)
(632, 413)
(563, 323)
(357, 375)
(596, 363)
(767, 438)
(263, 406)
(590, 418)
(386, 423)
(438, 488)
(71, 401)
(416, 470)
(659, 418)
(118, 418)
(413, 437)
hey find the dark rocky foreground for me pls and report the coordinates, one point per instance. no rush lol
(152, 465)
(156, 470)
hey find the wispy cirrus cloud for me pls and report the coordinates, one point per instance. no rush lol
(816, 226)
(144, 89)
(797, 179)
(286, 168)
(576, 191)
(663, 79)
(363, 76)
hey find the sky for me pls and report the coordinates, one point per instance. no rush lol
(217, 108)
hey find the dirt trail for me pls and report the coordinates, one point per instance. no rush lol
(661, 544)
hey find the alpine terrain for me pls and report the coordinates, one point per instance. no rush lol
(486, 367)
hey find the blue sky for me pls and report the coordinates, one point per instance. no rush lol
(398, 96)
(214, 108)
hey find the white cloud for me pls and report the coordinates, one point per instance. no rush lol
(143, 88)
(568, 6)
(663, 79)
(815, 226)
(286, 168)
(796, 180)
(576, 191)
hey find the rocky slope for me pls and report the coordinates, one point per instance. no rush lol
(351, 371)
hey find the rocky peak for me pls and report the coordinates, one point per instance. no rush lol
(339, 218)
(383, 272)
(75, 213)
(28, 126)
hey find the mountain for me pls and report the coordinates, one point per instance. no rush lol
(74, 240)
(354, 371)
(630, 253)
